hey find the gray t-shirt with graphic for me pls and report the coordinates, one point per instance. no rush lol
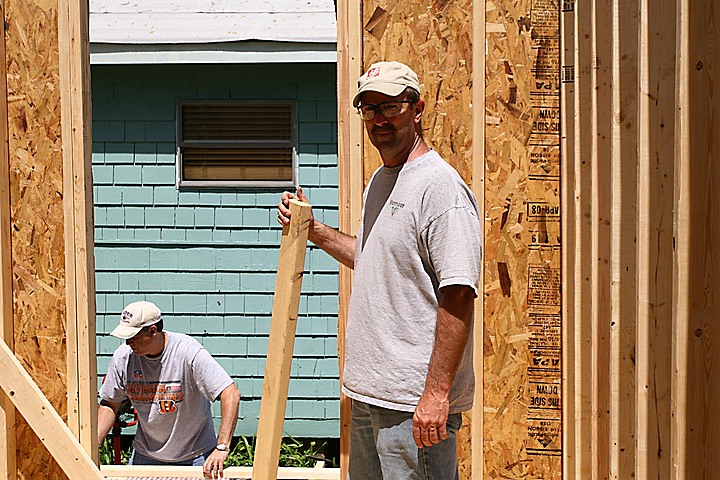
(172, 395)
(426, 236)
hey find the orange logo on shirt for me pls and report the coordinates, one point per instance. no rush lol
(166, 406)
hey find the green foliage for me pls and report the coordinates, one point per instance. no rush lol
(243, 453)
(107, 457)
(293, 453)
(107, 453)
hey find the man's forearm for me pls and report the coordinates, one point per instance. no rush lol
(454, 321)
(106, 419)
(229, 401)
(338, 245)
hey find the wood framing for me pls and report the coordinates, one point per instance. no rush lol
(642, 125)
(117, 472)
(44, 420)
(475, 458)
(282, 339)
(76, 121)
(350, 180)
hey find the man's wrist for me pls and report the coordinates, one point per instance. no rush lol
(222, 447)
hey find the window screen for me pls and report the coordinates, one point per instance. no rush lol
(236, 143)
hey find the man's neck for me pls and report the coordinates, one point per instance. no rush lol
(415, 150)
(162, 341)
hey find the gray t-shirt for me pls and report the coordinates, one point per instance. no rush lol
(172, 395)
(426, 236)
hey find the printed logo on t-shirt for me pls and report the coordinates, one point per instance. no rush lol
(137, 374)
(165, 395)
(166, 406)
(395, 206)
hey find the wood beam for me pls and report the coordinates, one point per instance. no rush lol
(43, 419)
(350, 181)
(478, 189)
(116, 472)
(76, 121)
(286, 303)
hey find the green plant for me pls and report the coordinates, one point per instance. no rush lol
(243, 453)
(293, 453)
(107, 453)
(107, 456)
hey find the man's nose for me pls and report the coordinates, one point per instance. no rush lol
(379, 118)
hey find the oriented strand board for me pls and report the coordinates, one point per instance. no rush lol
(435, 40)
(523, 325)
(36, 196)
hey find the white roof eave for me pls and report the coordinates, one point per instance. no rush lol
(235, 52)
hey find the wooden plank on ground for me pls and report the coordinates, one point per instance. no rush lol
(282, 339)
(117, 472)
(43, 419)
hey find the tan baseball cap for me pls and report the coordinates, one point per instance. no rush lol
(389, 78)
(135, 317)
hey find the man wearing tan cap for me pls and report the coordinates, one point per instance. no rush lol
(408, 361)
(171, 381)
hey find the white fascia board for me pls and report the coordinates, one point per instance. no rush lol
(243, 52)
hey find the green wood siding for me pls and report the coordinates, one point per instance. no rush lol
(208, 258)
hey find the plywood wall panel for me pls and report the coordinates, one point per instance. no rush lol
(36, 196)
(523, 388)
(435, 40)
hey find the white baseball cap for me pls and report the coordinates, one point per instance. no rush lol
(135, 317)
(389, 78)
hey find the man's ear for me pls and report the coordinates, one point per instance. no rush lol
(418, 110)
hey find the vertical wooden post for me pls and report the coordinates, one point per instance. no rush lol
(624, 215)
(76, 121)
(350, 181)
(282, 339)
(478, 189)
(681, 266)
(8, 469)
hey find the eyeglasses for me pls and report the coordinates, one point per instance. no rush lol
(389, 109)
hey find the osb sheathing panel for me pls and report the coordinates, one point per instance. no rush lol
(37, 213)
(522, 344)
(435, 40)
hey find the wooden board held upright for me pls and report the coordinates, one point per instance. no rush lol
(282, 339)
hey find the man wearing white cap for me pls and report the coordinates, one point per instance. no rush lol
(171, 381)
(408, 358)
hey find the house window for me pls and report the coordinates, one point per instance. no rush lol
(231, 144)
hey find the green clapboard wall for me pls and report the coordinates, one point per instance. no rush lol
(208, 258)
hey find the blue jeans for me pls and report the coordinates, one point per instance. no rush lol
(382, 447)
(137, 459)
